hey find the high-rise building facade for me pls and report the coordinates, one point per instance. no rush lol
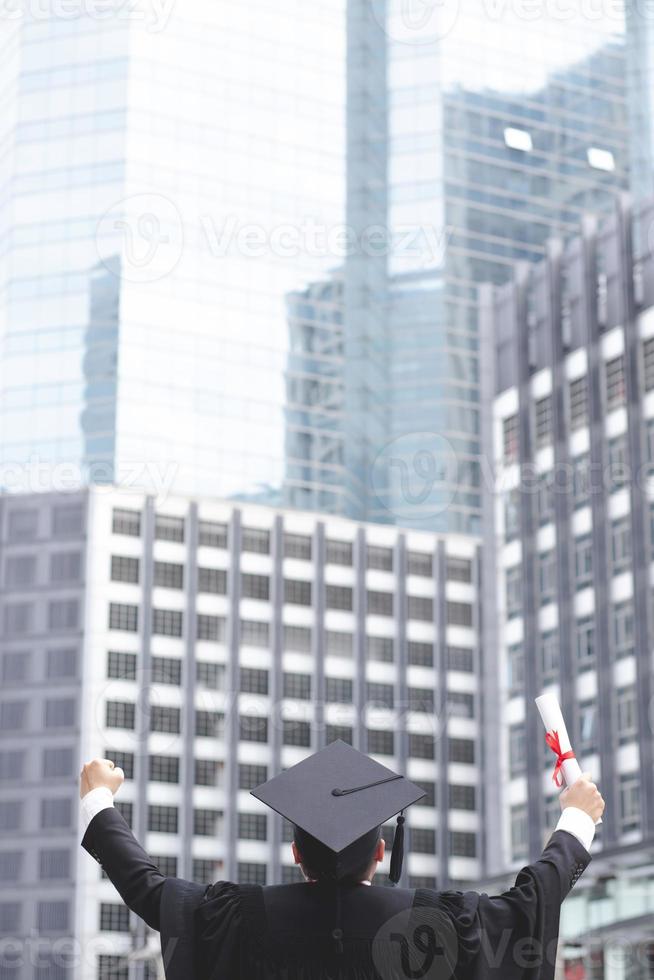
(203, 647)
(156, 245)
(569, 370)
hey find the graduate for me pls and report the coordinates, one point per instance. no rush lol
(337, 924)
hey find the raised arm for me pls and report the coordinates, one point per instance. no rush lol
(110, 841)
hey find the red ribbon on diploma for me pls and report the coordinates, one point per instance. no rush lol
(552, 739)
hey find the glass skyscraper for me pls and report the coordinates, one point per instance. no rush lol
(241, 246)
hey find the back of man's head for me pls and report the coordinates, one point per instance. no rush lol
(321, 863)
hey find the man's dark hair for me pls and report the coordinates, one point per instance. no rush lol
(321, 863)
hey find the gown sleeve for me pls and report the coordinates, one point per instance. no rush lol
(217, 927)
(514, 935)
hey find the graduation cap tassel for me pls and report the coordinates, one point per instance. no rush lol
(397, 853)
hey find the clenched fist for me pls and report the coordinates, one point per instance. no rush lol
(100, 772)
(585, 795)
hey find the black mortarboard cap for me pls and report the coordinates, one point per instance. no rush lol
(338, 797)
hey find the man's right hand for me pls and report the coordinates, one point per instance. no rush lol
(100, 772)
(584, 795)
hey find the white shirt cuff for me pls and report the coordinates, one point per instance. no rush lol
(94, 801)
(579, 824)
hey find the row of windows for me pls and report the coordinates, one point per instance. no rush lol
(65, 521)
(21, 571)
(615, 393)
(57, 713)
(299, 546)
(16, 666)
(20, 618)
(53, 864)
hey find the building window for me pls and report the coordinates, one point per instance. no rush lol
(252, 826)
(13, 715)
(11, 865)
(512, 515)
(420, 608)
(61, 662)
(254, 681)
(629, 802)
(585, 642)
(122, 760)
(212, 535)
(163, 819)
(338, 644)
(297, 546)
(381, 742)
(16, 667)
(514, 592)
(547, 576)
(124, 569)
(55, 815)
(164, 769)
(166, 863)
(120, 714)
(581, 482)
(207, 772)
(23, 525)
(123, 617)
(53, 916)
(255, 587)
(380, 695)
(338, 597)
(543, 419)
(458, 614)
(169, 528)
(165, 719)
(380, 649)
(421, 699)
(114, 917)
(67, 520)
(421, 746)
(127, 522)
(338, 690)
(57, 762)
(65, 567)
(297, 592)
(206, 871)
(627, 714)
(517, 750)
(211, 628)
(648, 364)
(249, 873)
(253, 729)
(210, 675)
(12, 765)
(379, 558)
(63, 614)
(297, 733)
(255, 633)
(338, 553)
(545, 498)
(20, 571)
(379, 603)
(516, 668)
(621, 544)
(429, 789)
(458, 569)
(511, 438)
(463, 844)
(126, 810)
(519, 833)
(615, 383)
(250, 776)
(578, 403)
(549, 654)
(420, 654)
(166, 670)
(206, 823)
(583, 562)
(462, 797)
(623, 629)
(60, 712)
(256, 540)
(297, 639)
(460, 704)
(168, 575)
(209, 724)
(335, 733)
(297, 686)
(423, 841)
(587, 728)
(618, 462)
(167, 622)
(212, 580)
(420, 563)
(112, 968)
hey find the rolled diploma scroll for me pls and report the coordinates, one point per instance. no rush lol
(550, 712)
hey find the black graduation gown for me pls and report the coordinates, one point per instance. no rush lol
(234, 932)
